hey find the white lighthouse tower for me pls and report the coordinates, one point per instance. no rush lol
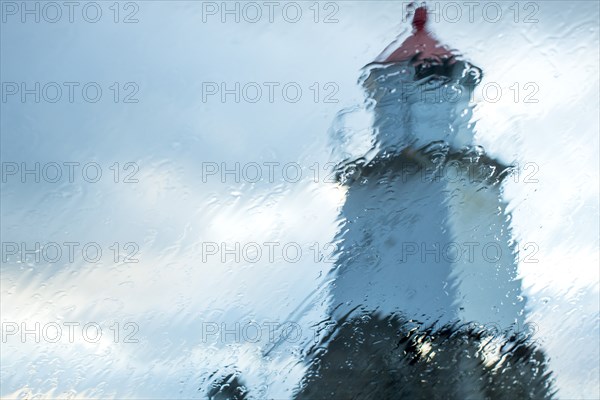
(426, 275)
(426, 235)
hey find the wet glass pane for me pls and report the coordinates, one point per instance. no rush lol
(299, 200)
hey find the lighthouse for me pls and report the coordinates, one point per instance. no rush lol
(426, 277)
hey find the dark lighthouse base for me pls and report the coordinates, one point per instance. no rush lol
(375, 358)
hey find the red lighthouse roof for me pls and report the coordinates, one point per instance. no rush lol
(421, 45)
